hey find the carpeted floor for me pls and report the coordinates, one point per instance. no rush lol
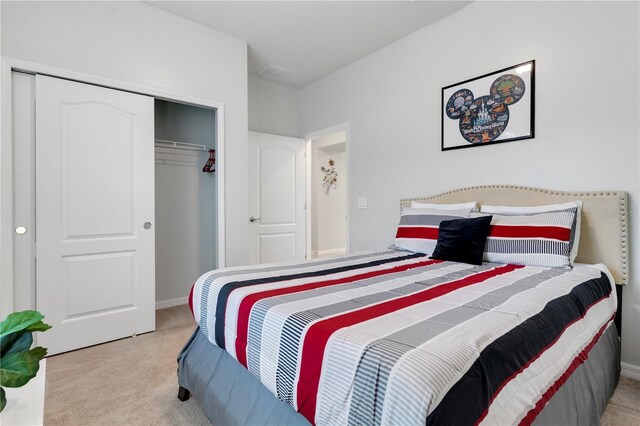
(126, 382)
(133, 382)
(624, 405)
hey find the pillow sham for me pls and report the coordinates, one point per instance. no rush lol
(536, 239)
(519, 210)
(418, 228)
(472, 206)
(462, 240)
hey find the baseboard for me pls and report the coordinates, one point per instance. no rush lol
(630, 370)
(163, 304)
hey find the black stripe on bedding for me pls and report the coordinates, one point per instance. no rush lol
(498, 361)
(527, 246)
(225, 291)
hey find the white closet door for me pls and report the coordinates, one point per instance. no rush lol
(94, 212)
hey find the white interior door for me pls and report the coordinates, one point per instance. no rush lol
(95, 207)
(276, 198)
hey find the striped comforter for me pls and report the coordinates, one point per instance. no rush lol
(398, 338)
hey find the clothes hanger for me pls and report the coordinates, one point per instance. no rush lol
(209, 166)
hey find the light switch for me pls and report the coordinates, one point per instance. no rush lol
(362, 203)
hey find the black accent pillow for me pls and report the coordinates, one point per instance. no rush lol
(462, 240)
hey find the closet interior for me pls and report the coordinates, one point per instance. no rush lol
(185, 194)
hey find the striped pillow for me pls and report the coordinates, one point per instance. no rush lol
(540, 239)
(418, 228)
(473, 205)
(513, 210)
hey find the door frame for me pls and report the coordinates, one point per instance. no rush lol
(9, 64)
(308, 138)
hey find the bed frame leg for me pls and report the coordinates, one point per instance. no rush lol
(183, 394)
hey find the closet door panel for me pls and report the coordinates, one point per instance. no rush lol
(93, 180)
(94, 193)
(24, 148)
(99, 282)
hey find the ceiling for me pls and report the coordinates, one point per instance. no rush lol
(311, 38)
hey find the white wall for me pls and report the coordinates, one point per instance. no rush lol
(328, 209)
(273, 108)
(587, 108)
(139, 44)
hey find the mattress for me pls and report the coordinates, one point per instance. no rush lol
(397, 338)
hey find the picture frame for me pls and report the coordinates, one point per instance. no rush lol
(490, 109)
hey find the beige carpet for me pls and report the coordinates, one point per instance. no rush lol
(133, 382)
(624, 405)
(126, 382)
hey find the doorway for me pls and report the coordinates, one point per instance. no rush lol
(327, 167)
(185, 198)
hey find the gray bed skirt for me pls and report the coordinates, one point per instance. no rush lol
(230, 395)
(226, 391)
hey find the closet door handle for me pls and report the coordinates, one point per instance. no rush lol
(147, 225)
(254, 219)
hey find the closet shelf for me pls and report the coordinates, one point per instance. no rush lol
(161, 143)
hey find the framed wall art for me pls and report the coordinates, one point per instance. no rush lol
(493, 108)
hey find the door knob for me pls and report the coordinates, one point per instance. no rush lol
(254, 219)
(147, 225)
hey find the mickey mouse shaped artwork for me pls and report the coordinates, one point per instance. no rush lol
(485, 118)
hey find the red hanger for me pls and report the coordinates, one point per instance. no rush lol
(210, 165)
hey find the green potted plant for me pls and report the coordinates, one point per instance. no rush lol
(18, 362)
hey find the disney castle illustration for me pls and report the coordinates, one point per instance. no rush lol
(483, 116)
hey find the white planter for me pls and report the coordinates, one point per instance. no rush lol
(25, 405)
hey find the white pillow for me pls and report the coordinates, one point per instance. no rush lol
(520, 210)
(472, 206)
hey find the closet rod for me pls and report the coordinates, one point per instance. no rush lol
(181, 145)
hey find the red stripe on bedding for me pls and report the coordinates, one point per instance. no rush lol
(244, 310)
(577, 361)
(538, 355)
(191, 300)
(318, 334)
(417, 232)
(552, 232)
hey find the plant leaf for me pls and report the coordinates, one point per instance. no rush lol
(39, 326)
(23, 343)
(3, 399)
(39, 352)
(18, 368)
(18, 321)
(8, 340)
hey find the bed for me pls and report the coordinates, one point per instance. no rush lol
(394, 337)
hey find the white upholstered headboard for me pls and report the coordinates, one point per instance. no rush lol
(603, 232)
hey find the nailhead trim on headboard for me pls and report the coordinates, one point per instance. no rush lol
(622, 213)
